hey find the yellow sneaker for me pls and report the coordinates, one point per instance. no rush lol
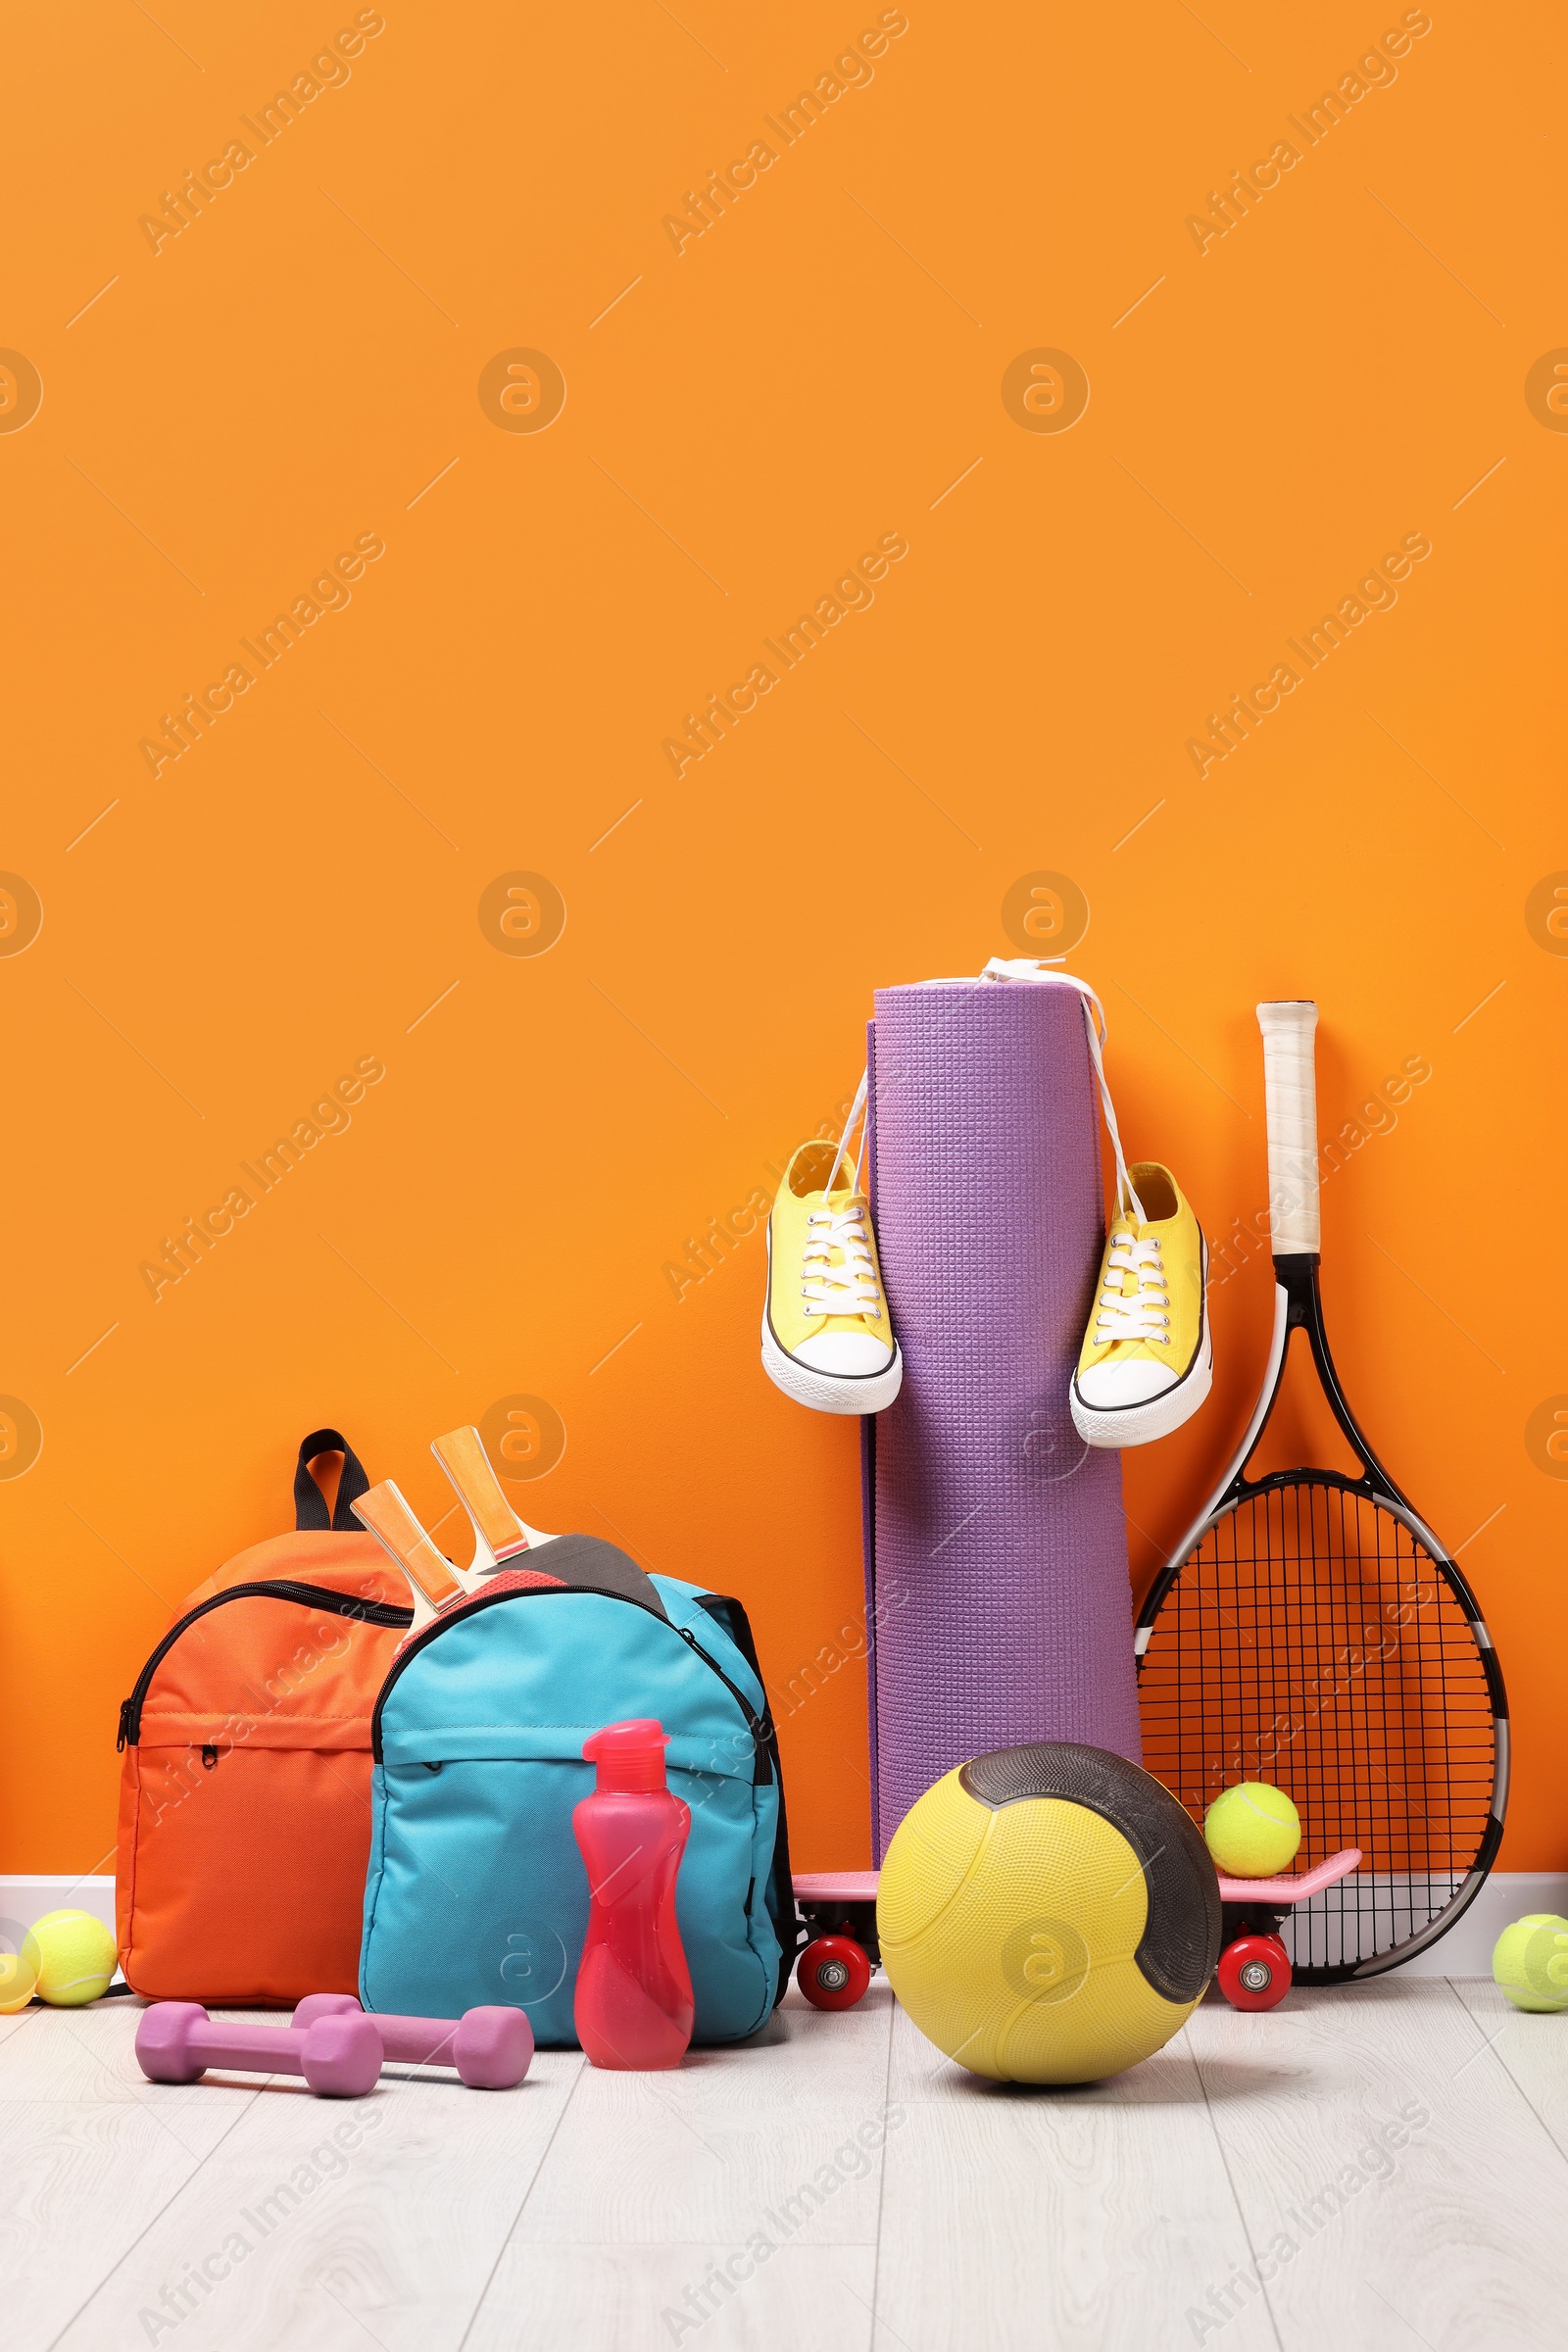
(1148, 1360)
(827, 1339)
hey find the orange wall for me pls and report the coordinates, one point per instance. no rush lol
(299, 368)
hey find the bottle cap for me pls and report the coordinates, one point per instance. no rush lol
(629, 1755)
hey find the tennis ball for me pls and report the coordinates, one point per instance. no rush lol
(1530, 1961)
(76, 1957)
(19, 1977)
(1253, 1830)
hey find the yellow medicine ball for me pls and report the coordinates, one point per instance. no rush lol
(1049, 1914)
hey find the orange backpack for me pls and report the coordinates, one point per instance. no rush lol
(245, 1800)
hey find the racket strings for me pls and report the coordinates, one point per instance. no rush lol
(1311, 1640)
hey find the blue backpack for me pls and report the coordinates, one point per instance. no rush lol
(477, 1891)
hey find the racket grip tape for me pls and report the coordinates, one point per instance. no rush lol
(1290, 1089)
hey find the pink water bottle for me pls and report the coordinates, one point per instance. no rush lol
(634, 2005)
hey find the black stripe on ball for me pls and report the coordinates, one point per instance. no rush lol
(1179, 1949)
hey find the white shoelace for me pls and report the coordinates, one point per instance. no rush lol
(1147, 1316)
(862, 1279)
(1026, 967)
(846, 1289)
(856, 1109)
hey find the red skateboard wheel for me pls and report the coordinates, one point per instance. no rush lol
(1254, 1971)
(833, 1972)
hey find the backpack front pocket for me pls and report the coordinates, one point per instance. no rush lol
(231, 1837)
(477, 1893)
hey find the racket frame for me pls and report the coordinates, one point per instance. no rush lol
(1298, 1307)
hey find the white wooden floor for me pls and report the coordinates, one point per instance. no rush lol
(1394, 2160)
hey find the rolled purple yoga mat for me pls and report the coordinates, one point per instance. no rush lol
(997, 1580)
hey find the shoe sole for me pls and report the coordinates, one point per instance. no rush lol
(832, 1391)
(828, 1391)
(1140, 1424)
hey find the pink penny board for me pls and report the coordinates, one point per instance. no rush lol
(860, 1885)
(835, 1885)
(1281, 1894)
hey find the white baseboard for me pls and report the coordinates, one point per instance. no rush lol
(1465, 1951)
(23, 1900)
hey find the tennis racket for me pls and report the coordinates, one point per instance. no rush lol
(1311, 1630)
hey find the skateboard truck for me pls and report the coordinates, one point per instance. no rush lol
(1254, 1968)
(839, 1907)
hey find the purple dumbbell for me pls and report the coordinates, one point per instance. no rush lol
(340, 2055)
(491, 2049)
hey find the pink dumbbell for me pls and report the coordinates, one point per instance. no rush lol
(339, 2056)
(491, 2049)
(337, 2048)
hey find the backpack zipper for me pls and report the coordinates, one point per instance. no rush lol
(780, 1891)
(307, 1597)
(759, 1728)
